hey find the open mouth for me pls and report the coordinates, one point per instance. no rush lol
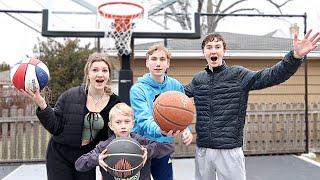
(213, 58)
(100, 80)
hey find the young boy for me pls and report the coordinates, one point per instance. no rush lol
(121, 123)
(142, 95)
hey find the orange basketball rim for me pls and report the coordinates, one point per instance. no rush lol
(121, 12)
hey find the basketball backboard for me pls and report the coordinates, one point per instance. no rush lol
(80, 18)
(161, 19)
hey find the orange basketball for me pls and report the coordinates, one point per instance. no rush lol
(173, 110)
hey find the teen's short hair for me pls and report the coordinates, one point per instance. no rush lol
(157, 47)
(120, 108)
(213, 37)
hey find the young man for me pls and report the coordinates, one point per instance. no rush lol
(121, 123)
(142, 95)
(221, 94)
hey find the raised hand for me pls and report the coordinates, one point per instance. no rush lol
(35, 97)
(304, 46)
(101, 158)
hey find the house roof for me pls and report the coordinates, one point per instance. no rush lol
(238, 45)
(234, 42)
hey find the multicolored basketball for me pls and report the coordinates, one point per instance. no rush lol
(124, 158)
(173, 110)
(30, 73)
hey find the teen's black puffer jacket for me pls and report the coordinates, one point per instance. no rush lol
(221, 98)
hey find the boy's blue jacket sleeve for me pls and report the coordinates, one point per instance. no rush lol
(144, 125)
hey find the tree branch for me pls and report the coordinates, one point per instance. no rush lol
(278, 6)
(232, 5)
(217, 6)
(200, 4)
(246, 9)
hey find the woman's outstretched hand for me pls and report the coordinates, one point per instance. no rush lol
(35, 97)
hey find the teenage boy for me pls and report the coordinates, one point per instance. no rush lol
(221, 95)
(142, 95)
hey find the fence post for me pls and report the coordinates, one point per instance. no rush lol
(13, 130)
(4, 135)
(20, 138)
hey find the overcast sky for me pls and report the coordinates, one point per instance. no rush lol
(17, 40)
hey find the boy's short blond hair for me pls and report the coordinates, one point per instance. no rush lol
(120, 108)
(157, 47)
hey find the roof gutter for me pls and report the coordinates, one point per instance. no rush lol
(230, 54)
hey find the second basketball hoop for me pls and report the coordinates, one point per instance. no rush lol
(120, 18)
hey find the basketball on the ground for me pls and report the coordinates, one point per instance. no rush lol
(173, 110)
(30, 73)
(124, 158)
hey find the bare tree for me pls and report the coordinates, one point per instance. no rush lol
(232, 8)
(178, 11)
(278, 6)
(200, 4)
(183, 18)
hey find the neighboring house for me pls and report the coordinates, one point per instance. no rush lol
(5, 85)
(4, 78)
(251, 51)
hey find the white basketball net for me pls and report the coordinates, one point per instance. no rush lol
(120, 18)
(119, 35)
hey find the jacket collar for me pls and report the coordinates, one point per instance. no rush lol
(216, 69)
(82, 89)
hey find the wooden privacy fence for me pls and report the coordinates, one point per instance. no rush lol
(280, 128)
(273, 129)
(22, 137)
(270, 129)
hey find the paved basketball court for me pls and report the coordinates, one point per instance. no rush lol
(284, 167)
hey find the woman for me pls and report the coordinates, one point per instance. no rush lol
(78, 121)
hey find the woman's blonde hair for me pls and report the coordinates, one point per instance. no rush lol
(97, 57)
(120, 108)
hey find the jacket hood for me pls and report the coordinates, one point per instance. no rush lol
(147, 79)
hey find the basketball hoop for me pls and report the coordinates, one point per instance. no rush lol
(120, 17)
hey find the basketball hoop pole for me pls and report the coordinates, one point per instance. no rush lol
(126, 75)
(125, 78)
